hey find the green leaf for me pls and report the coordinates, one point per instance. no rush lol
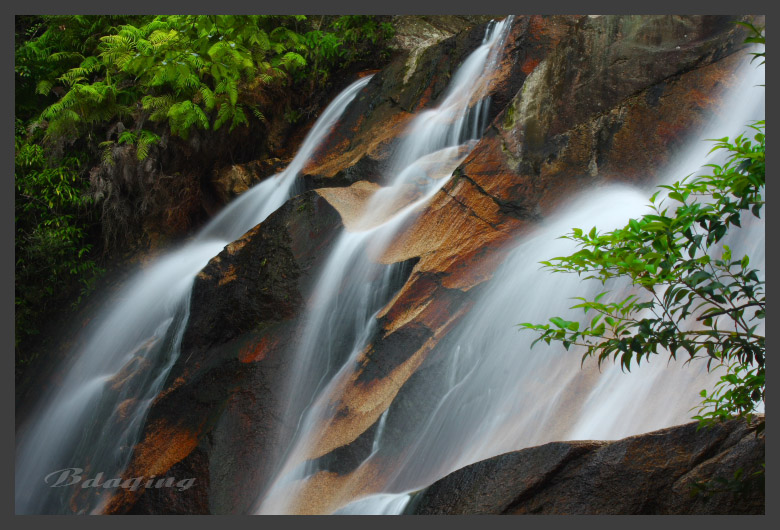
(561, 323)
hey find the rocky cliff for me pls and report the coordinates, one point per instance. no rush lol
(654, 473)
(577, 101)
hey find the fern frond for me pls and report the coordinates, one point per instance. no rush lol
(223, 115)
(203, 120)
(232, 90)
(239, 118)
(145, 141)
(44, 87)
(106, 154)
(157, 102)
(126, 137)
(73, 76)
(293, 60)
(259, 115)
(208, 97)
(64, 56)
(161, 37)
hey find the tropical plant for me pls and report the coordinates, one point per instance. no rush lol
(99, 98)
(52, 251)
(197, 71)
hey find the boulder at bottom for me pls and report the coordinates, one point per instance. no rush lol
(653, 473)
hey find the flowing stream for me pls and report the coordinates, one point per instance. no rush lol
(353, 286)
(499, 395)
(494, 394)
(491, 393)
(94, 416)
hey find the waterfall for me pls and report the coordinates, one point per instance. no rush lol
(487, 392)
(94, 416)
(353, 286)
(498, 395)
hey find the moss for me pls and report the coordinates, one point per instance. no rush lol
(306, 204)
(456, 176)
(510, 116)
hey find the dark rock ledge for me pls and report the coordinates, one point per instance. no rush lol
(652, 473)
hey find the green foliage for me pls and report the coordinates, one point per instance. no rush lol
(141, 140)
(195, 71)
(756, 37)
(692, 296)
(52, 251)
(47, 47)
(100, 84)
(358, 29)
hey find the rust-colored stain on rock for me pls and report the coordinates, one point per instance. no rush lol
(529, 65)
(229, 276)
(163, 446)
(255, 352)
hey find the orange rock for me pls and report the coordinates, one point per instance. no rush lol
(499, 191)
(163, 446)
(582, 118)
(350, 202)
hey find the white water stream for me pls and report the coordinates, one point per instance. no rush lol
(353, 286)
(83, 422)
(493, 395)
(499, 395)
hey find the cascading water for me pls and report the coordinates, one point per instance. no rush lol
(496, 395)
(94, 416)
(353, 286)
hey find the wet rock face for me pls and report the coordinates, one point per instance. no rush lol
(573, 98)
(601, 63)
(231, 181)
(607, 59)
(216, 419)
(414, 33)
(503, 188)
(647, 474)
(362, 141)
(252, 281)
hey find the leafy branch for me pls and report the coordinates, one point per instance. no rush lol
(692, 297)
